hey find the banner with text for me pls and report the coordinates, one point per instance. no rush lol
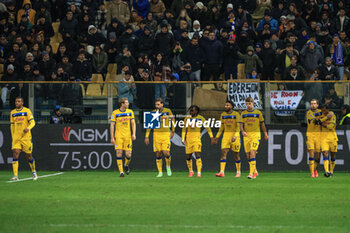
(285, 102)
(238, 92)
(88, 147)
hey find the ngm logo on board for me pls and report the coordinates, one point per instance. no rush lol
(154, 120)
(84, 135)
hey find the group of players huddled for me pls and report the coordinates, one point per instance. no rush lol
(321, 137)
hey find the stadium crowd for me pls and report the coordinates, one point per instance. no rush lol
(169, 40)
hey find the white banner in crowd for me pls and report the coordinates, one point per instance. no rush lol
(238, 92)
(285, 102)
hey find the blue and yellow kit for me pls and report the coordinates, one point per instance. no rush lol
(251, 121)
(20, 120)
(329, 135)
(313, 132)
(192, 134)
(230, 127)
(161, 136)
(122, 131)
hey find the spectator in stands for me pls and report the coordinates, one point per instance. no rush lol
(101, 19)
(251, 61)
(68, 26)
(345, 111)
(294, 64)
(111, 47)
(66, 65)
(22, 46)
(142, 7)
(284, 59)
(151, 22)
(159, 87)
(125, 58)
(186, 73)
(99, 60)
(62, 74)
(10, 75)
(27, 72)
(268, 20)
(61, 52)
(46, 65)
(194, 55)
(127, 89)
(230, 59)
(312, 90)
(94, 38)
(328, 72)
(196, 30)
(310, 57)
(83, 28)
(177, 58)
(118, 9)
(53, 90)
(338, 52)
(164, 41)
(213, 51)
(178, 5)
(82, 68)
(135, 20)
(116, 26)
(146, 42)
(27, 11)
(268, 58)
(24, 26)
(30, 60)
(157, 7)
(43, 12)
(294, 75)
(129, 40)
(45, 27)
(145, 91)
(341, 22)
(124, 68)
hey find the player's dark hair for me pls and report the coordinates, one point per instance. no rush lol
(194, 107)
(230, 102)
(159, 100)
(121, 101)
(249, 100)
(314, 100)
(19, 97)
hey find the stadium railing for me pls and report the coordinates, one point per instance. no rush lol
(281, 102)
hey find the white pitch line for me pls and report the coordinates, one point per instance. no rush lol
(30, 178)
(192, 226)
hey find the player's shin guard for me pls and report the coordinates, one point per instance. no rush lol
(238, 165)
(15, 167)
(167, 160)
(159, 162)
(332, 165)
(199, 164)
(32, 164)
(222, 165)
(312, 165)
(189, 164)
(120, 164)
(326, 164)
(127, 161)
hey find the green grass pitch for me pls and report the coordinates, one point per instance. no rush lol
(100, 201)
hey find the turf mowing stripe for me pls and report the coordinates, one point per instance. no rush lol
(192, 226)
(30, 178)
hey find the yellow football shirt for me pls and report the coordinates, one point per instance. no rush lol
(312, 128)
(20, 120)
(166, 119)
(191, 132)
(251, 122)
(122, 122)
(329, 130)
(229, 124)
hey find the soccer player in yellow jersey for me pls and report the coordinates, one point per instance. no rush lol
(329, 138)
(313, 135)
(251, 121)
(231, 139)
(191, 138)
(162, 136)
(22, 121)
(121, 136)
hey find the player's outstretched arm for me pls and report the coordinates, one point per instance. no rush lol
(148, 131)
(244, 133)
